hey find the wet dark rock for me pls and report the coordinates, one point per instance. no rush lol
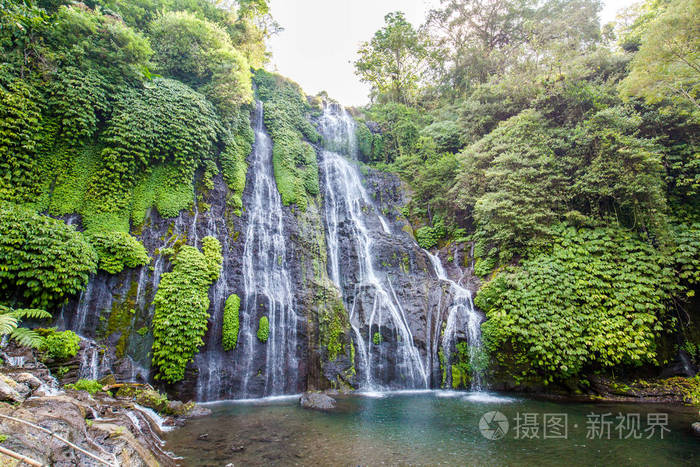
(316, 401)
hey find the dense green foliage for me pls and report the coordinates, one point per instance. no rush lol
(181, 307)
(167, 123)
(571, 164)
(229, 331)
(117, 250)
(588, 301)
(294, 160)
(88, 128)
(61, 345)
(42, 260)
(263, 329)
(200, 53)
(233, 159)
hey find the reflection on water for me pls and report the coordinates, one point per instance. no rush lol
(425, 428)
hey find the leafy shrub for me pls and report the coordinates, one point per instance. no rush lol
(446, 134)
(263, 329)
(61, 345)
(427, 237)
(89, 385)
(181, 307)
(377, 338)
(229, 338)
(44, 261)
(597, 298)
(92, 40)
(117, 250)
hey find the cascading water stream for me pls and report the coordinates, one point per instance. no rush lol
(266, 277)
(461, 312)
(348, 209)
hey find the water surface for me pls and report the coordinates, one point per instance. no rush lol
(429, 428)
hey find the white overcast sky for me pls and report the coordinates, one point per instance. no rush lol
(321, 37)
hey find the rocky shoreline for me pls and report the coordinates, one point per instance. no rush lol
(119, 424)
(124, 423)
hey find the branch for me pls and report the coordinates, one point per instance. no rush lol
(20, 457)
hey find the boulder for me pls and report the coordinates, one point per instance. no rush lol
(696, 428)
(317, 401)
(8, 393)
(28, 379)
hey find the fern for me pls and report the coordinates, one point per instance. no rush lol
(30, 313)
(27, 338)
(7, 324)
(10, 321)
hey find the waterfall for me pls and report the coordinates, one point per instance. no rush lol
(351, 220)
(214, 380)
(461, 312)
(266, 277)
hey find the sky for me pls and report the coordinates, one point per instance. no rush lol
(321, 37)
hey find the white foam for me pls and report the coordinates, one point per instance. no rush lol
(258, 400)
(155, 417)
(447, 393)
(487, 398)
(372, 394)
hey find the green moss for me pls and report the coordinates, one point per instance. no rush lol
(263, 329)
(239, 143)
(377, 338)
(89, 385)
(121, 317)
(229, 338)
(71, 183)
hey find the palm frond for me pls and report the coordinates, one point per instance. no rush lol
(27, 337)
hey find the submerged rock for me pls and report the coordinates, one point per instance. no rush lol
(317, 401)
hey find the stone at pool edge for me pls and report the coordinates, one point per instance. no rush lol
(316, 401)
(696, 428)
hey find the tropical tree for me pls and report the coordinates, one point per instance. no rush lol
(392, 61)
(667, 65)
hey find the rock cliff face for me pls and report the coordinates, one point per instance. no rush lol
(367, 308)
